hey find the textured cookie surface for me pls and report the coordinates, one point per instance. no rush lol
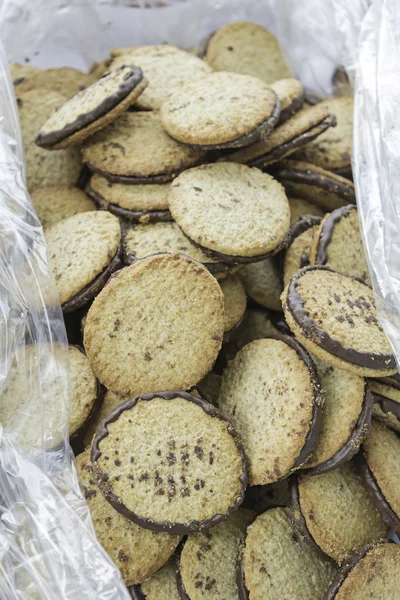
(170, 463)
(131, 197)
(302, 208)
(20, 72)
(339, 513)
(162, 586)
(276, 564)
(80, 247)
(135, 145)
(137, 552)
(157, 325)
(83, 388)
(234, 301)
(44, 168)
(62, 80)
(230, 208)
(248, 48)
(297, 254)
(109, 403)
(269, 395)
(386, 406)
(290, 92)
(56, 203)
(263, 282)
(335, 317)
(218, 108)
(207, 564)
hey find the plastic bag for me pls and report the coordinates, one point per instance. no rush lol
(48, 549)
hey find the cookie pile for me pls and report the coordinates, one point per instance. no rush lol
(236, 402)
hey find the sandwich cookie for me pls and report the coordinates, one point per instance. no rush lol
(56, 203)
(291, 96)
(303, 208)
(234, 304)
(386, 396)
(161, 586)
(297, 254)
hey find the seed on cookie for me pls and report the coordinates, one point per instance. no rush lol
(303, 208)
(179, 465)
(135, 149)
(374, 570)
(291, 96)
(335, 513)
(234, 304)
(386, 396)
(92, 108)
(55, 203)
(380, 467)
(84, 251)
(275, 563)
(161, 586)
(338, 245)
(232, 212)
(157, 325)
(137, 552)
(207, 561)
(220, 110)
(334, 317)
(263, 282)
(248, 48)
(297, 254)
(278, 420)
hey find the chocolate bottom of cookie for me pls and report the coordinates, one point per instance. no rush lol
(134, 216)
(387, 405)
(344, 172)
(231, 332)
(93, 288)
(136, 592)
(293, 107)
(344, 571)
(297, 517)
(323, 182)
(134, 180)
(76, 440)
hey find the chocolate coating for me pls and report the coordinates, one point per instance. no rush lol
(344, 172)
(292, 107)
(165, 178)
(297, 517)
(324, 182)
(345, 570)
(327, 230)
(136, 592)
(228, 334)
(301, 225)
(136, 216)
(387, 405)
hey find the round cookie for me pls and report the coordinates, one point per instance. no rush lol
(263, 282)
(380, 467)
(84, 252)
(137, 552)
(109, 402)
(297, 254)
(85, 392)
(135, 149)
(290, 93)
(332, 150)
(247, 48)
(234, 303)
(338, 245)
(220, 110)
(43, 168)
(297, 131)
(64, 80)
(234, 213)
(165, 67)
(269, 390)
(161, 586)
(147, 239)
(373, 573)
(346, 418)
(334, 316)
(157, 325)
(386, 396)
(262, 497)
(92, 108)
(142, 203)
(303, 208)
(323, 188)
(334, 512)
(56, 203)
(207, 562)
(275, 564)
(179, 465)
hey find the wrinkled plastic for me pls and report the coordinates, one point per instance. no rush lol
(47, 546)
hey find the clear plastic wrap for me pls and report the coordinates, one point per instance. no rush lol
(48, 549)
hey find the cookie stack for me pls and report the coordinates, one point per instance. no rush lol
(211, 266)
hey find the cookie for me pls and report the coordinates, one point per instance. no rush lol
(85, 392)
(271, 389)
(92, 108)
(275, 564)
(297, 254)
(332, 150)
(144, 240)
(165, 68)
(98, 69)
(346, 418)
(303, 208)
(263, 282)
(247, 48)
(174, 446)
(64, 81)
(141, 203)
(44, 169)
(220, 110)
(20, 72)
(262, 497)
(109, 402)
(372, 573)
(334, 512)
(380, 468)
(338, 245)
(234, 303)
(296, 132)
(334, 316)
(84, 252)
(233, 213)
(291, 96)
(135, 149)
(161, 586)
(341, 84)
(56, 203)
(323, 188)
(206, 565)
(157, 325)
(137, 552)
(210, 386)
(386, 396)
